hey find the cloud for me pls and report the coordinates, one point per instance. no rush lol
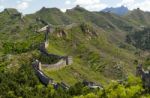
(19, 1)
(133, 4)
(126, 3)
(97, 5)
(92, 5)
(22, 6)
(68, 2)
(145, 5)
(1, 7)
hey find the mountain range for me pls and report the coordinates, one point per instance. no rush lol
(104, 46)
(117, 10)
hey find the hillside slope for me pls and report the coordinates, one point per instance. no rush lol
(96, 42)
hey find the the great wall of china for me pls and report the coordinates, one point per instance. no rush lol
(63, 61)
(37, 65)
(68, 60)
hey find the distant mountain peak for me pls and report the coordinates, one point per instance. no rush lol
(77, 8)
(11, 11)
(122, 10)
(48, 9)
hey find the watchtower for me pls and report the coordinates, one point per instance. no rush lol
(69, 60)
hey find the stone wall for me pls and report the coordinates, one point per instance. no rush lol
(64, 60)
(60, 64)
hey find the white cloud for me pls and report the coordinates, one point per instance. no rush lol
(133, 4)
(22, 6)
(19, 1)
(145, 5)
(1, 7)
(91, 5)
(68, 2)
(126, 3)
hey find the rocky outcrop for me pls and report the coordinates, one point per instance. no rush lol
(145, 76)
(61, 33)
(92, 85)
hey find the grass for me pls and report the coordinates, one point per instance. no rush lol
(95, 58)
(75, 73)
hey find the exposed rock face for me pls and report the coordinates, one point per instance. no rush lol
(145, 76)
(92, 85)
(61, 33)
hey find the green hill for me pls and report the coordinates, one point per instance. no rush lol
(138, 17)
(104, 47)
(88, 42)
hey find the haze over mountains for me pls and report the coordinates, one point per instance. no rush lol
(118, 10)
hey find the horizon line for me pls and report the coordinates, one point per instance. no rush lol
(69, 9)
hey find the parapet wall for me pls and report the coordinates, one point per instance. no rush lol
(64, 60)
(60, 64)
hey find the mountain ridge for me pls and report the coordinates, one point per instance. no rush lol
(122, 10)
(104, 47)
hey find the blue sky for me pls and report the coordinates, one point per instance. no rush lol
(30, 6)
